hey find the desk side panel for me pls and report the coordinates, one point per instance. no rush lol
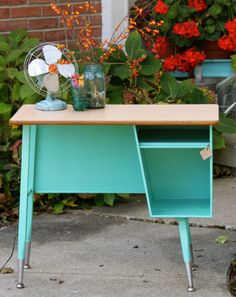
(87, 159)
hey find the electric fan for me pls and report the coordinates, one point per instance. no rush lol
(47, 70)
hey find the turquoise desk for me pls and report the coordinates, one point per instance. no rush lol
(151, 149)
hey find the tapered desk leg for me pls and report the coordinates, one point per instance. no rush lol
(29, 231)
(185, 238)
(191, 247)
(26, 199)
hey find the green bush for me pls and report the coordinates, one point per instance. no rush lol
(14, 91)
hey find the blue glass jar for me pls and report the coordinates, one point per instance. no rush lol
(95, 86)
(79, 98)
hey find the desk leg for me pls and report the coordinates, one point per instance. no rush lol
(30, 196)
(191, 247)
(185, 238)
(26, 198)
(28, 231)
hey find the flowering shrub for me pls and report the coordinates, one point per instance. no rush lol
(77, 23)
(187, 24)
(228, 41)
(185, 61)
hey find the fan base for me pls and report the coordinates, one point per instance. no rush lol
(54, 104)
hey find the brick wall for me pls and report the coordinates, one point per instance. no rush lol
(37, 17)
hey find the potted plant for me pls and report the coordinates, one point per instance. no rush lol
(205, 25)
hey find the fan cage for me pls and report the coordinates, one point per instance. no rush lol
(37, 53)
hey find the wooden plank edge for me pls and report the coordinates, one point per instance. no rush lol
(135, 123)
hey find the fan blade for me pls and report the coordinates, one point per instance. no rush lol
(51, 54)
(37, 67)
(66, 70)
(51, 82)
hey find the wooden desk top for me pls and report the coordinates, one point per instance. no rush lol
(179, 114)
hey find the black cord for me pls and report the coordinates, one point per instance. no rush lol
(12, 251)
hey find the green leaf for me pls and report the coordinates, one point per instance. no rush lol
(20, 76)
(115, 94)
(184, 88)
(3, 76)
(145, 82)
(226, 125)
(233, 62)
(15, 133)
(32, 99)
(16, 91)
(4, 47)
(14, 55)
(198, 97)
(133, 44)
(184, 12)
(2, 38)
(109, 199)
(173, 11)
(106, 68)
(69, 202)
(218, 140)
(99, 201)
(11, 72)
(29, 43)
(150, 66)
(5, 110)
(123, 71)
(166, 27)
(58, 208)
(169, 85)
(2, 85)
(125, 196)
(222, 239)
(17, 36)
(161, 96)
(214, 10)
(210, 29)
(2, 61)
(117, 56)
(26, 91)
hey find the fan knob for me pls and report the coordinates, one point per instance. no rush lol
(53, 69)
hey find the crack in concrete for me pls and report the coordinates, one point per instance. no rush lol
(157, 221)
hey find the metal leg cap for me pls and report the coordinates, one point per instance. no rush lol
(27, 266)
(191, 289)
(20, 286)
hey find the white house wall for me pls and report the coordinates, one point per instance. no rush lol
(113, 11)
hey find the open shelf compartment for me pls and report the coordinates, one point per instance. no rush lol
(178, 182)
(179, 136)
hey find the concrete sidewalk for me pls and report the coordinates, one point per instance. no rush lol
(119, 252)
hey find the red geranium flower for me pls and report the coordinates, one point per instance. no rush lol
(161, 7)
(228, 41)
(170, 63)
(230, 26)
(189, 59)
(184, 62)
(199, 5)
(186, 29)
(160, 46)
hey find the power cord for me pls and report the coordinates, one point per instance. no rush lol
(12, 251)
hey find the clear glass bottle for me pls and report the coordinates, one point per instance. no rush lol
(95, 86)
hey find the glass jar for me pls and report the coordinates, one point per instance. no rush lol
(94, 83)
(79, 98)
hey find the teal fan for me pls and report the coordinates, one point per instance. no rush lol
(47, 70)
